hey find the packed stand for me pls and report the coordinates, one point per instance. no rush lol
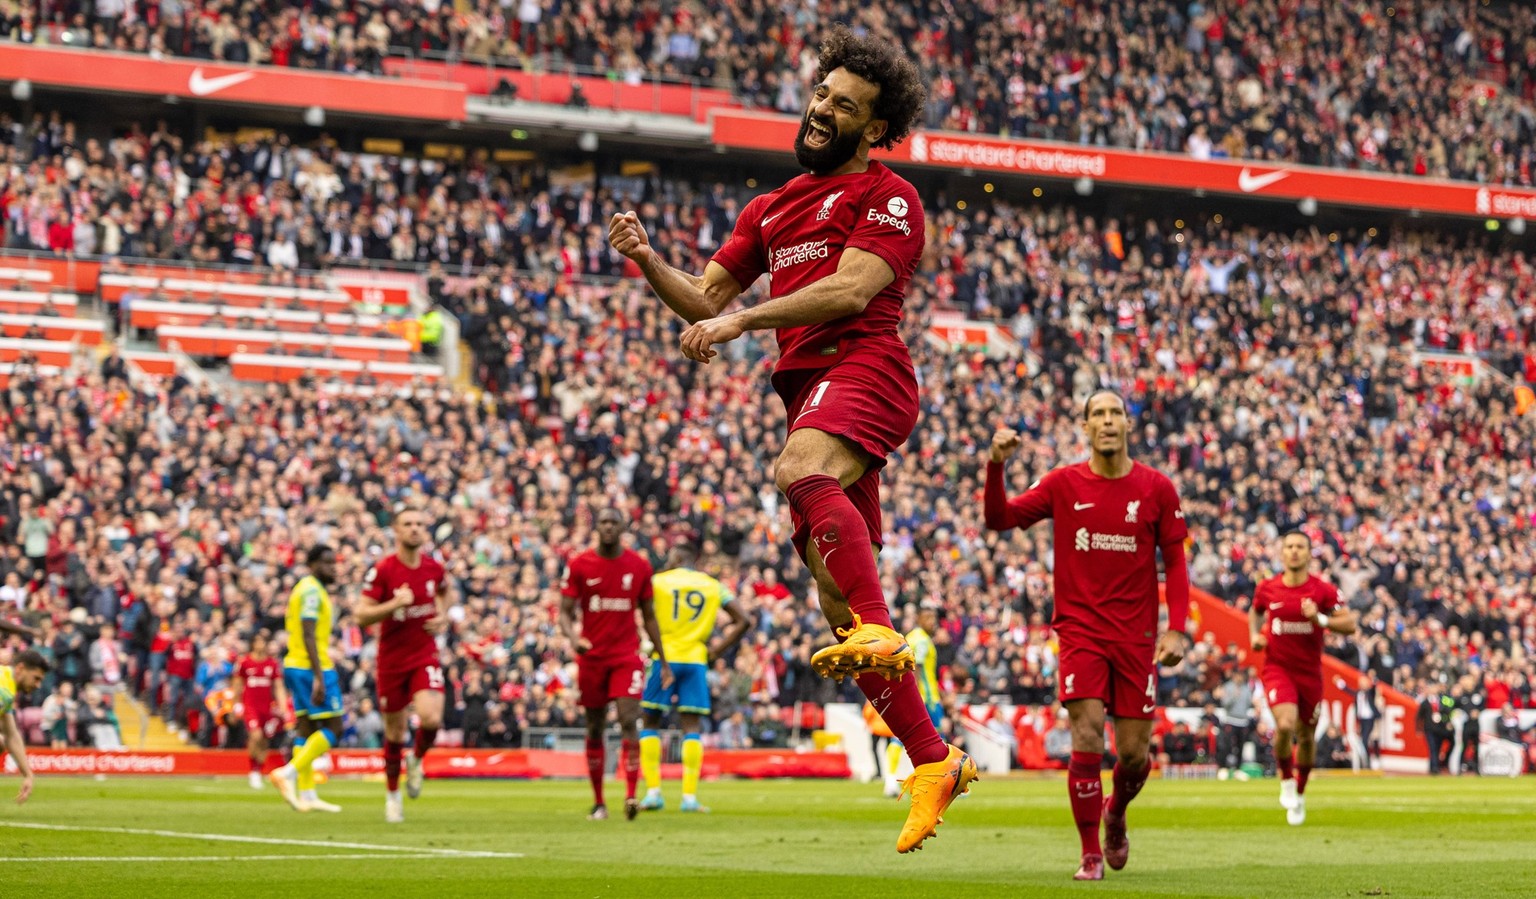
(1442, 88)
(1269, 374)
(268, 203)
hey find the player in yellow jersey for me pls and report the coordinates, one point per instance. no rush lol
(311, 681)
(23, 675)
(927, 657)
(687, 603)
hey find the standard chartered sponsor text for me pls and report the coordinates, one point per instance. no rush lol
(800, 252)
(1115, 543)
(1025, 159)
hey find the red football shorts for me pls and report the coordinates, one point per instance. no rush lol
(1305, 692)
(1122, 675)
(397, 687)
(267, 725)
(603, 680)
(867, 398)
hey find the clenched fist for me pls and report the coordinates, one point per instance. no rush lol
(1005, 443)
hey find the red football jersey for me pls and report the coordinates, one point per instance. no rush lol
(259, 677)
(404, 642)
(1295, 642)
(609, 592)
(797, 235)
(1107, 531)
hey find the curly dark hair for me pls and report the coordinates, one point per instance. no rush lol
(903, 93)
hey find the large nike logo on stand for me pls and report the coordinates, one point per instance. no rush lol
(1247, 182)
(202, 86)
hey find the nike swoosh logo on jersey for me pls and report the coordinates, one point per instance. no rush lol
(201, 85)
(1276, 606)
(1078, 507)
(1148, 709)
(770, 218)
(594, 581)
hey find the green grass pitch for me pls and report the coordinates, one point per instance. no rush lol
(1400, 837)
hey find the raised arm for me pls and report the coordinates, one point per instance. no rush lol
(692, 297)
(1000, 512)
(859, 277)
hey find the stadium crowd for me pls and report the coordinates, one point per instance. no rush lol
(150, 529)
(1440, 88)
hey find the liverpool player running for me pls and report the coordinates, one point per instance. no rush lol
(604, 588)
(1110, 516)
(259, 701)
(1300, 607)
(407, 593)
(840, 245)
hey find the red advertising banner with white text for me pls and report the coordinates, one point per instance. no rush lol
(261, 85)
(1403, 748)
(443, 762)
(1262, 180)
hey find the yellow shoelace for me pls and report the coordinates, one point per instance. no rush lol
(848, 631)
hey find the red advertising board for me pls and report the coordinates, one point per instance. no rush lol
(690, 100)
(443, 762)
(1263, 180)
(1402, 747)
(261, 85)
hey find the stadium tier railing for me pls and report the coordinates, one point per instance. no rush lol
(539, 80)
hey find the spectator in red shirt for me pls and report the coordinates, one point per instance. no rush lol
(180, 667)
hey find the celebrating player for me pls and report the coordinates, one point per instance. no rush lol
(687, 602)
(1300, 607)
(605, 587)
(311, 681)
(1110, 516)
(408, 593)
(259, 699)
(840, 243)
(23, 675)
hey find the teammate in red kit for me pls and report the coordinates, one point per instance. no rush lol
(1300, 608)
(604, 588)
(259, 701)
(1110, 517)
(840, 245)
(407, 595)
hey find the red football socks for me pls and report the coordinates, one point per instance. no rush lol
(1302, 773)
(595, 763)
(1086, 790)
(842, 538)
(900, 705)
(393, 752)
(629, 760)
(255, 764)
(425, 737)
(1285, 764)
(1127, 785)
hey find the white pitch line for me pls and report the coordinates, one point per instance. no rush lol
(24, 859)
(269, 841)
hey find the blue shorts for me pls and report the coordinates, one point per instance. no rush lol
(689, 692)
(301, 683)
